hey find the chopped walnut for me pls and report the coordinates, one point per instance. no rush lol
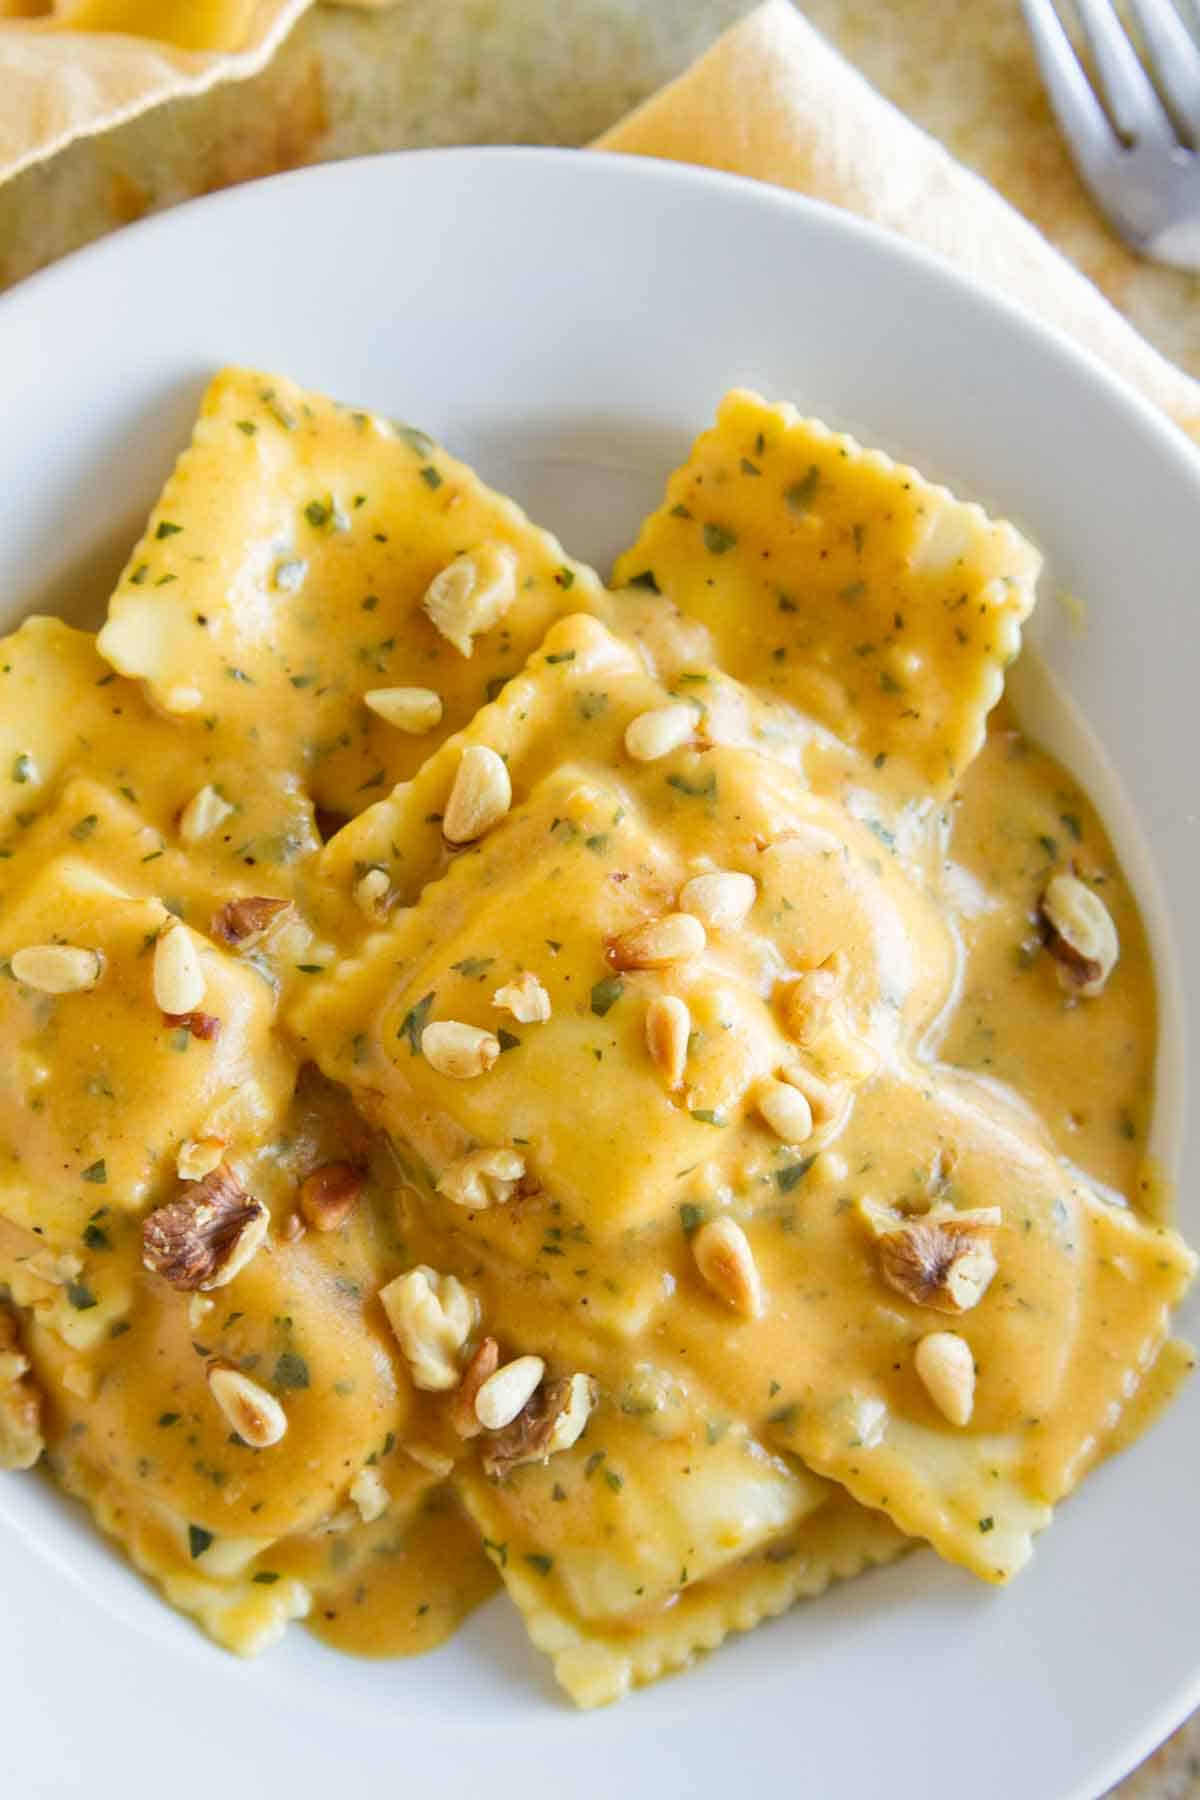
(20, 1403)
(941, 1260)
(552, 1420)
(1080, 934)
(483, 1178)
(329, 1195)
(244, 922)
(432, 1315)
(202, 1025)
(208, 1236)
(481, 1368)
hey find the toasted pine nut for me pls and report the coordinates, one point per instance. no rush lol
(787, 1112)
(178, 977)
(371, 891)
(946, 1367)
(480, 796)
(504, 1394)
(412, 709)
(658, 732)
(726, 1262)
(57, 968)
(720, 901)
(254, 1414)
(668, 1029)
(657, 942)
(462, 1051)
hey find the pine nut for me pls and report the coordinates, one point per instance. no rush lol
(480, 796)
(57, 968)
(720, 901)
(668, 1029)
(726, 1263)
(461, 1051)
(254, 1414)
(658, 732)
(505, 1394)
(371, 891)
(412, 709)
(946, 1367)
(787, 1112)
(178, 977)
(658, 942)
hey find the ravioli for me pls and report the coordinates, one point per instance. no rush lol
(65, 714)
(103, 1087)
(589, 852)
(281, 578)
(599, 1659)
(603, 1092)
(842, 582)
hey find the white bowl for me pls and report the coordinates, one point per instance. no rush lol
(568, 322)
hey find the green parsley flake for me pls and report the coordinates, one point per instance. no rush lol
(719, 538)
(605, 994)
(413, 1023)
(291, 1371)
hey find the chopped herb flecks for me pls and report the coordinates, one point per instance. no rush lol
(605, 994)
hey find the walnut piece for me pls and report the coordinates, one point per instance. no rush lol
(243, 922)
(202, 1025)
(944, 1261)
(481, 1367)
(329, 1195)
(204, 1239)
(20, 1403)
(552, 1420)
(1080, 934)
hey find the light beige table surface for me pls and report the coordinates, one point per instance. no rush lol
(559, 72)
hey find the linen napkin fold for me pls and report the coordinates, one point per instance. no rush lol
(772, 100)
(87, 65)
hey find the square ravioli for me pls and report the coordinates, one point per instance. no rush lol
(1064, 1304)
(103, 1085)
(666, 1527)
(66, 717)
(282, 576)
(842, 582)
(551, 904)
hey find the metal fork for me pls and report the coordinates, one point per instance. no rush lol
(1136, 143)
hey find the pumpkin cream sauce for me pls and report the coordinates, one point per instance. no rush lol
(635, 1097)
(396, 1588)
(1085, 1065)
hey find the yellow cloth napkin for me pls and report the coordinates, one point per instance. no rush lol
(771, 99)
(83, 66)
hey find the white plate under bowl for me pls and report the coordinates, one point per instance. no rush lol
(568, 322)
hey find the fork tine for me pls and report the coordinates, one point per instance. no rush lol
(1174, 58)
(1079, 113)
(1132, 100)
